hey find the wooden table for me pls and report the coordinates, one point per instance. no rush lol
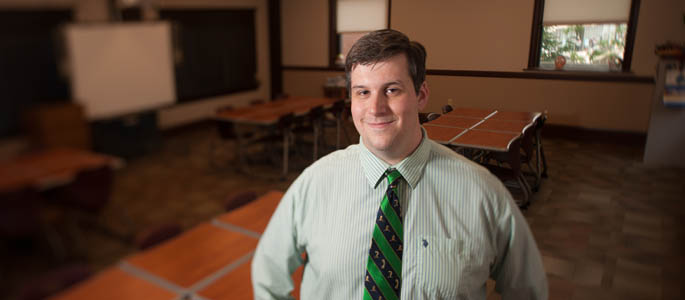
(269, 114)
(255, 216)
(211, 260)
(238, 285)
(195, 255)
(48, 168)
(115, 284)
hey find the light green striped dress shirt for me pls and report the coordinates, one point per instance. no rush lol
(460, 227)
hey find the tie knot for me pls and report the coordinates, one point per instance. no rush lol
(392, 175)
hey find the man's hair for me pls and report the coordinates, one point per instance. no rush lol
(382, 45)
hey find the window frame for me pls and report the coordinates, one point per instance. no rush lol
(536, 37)
(333, 37)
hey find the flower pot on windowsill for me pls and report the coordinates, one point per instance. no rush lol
(559, 62)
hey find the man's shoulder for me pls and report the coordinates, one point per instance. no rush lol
(336, 161)
(450, 164)
(441, 155)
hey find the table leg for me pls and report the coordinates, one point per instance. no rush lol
(286, 146)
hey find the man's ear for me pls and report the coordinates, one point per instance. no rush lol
(423, 95)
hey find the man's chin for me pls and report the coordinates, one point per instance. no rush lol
(377, 145)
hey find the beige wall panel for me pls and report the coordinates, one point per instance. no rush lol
(659, 21)
(468, 35)
(599, 105)
(304, 33)
(306, 83)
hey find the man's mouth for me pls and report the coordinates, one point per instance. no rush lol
(379, 124)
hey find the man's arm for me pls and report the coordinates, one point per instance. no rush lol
(518, 269)
(277, 254)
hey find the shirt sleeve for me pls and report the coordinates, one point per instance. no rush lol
(518, 269)
(277, 255)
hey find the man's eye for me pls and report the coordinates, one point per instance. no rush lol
(362, 93)
(391, 90)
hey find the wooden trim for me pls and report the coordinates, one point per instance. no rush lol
(313, 68)
(536, 34)
(275, 47)
(594, 135)
(532, 74)
(389, 12)
(630, 35)
(332, 33)
(551, 75)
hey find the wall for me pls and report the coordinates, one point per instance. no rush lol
(304, 24)
(96, 11)
(495, 36)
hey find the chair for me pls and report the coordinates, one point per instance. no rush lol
(427, 117)
(338, 111)
(274, 137)
(540, 150)
(239, 199)
(20, 218)
(311, 123)
(532, 152)
(89, 192)
(58, 125)
(513, 173)
(226, 131)
(86, 197)
(19, 213)
(54, 281)
(447, 108)
(155, 235)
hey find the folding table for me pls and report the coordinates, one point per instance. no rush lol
(269, 114)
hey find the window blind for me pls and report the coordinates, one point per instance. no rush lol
(561, 12)
(361, 15)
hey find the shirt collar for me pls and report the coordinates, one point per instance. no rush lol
(411, 167)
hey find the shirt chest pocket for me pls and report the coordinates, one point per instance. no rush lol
(447, 269)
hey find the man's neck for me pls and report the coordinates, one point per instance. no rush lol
(395, 158)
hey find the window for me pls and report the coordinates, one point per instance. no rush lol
(353, 19)
(214, 51)
(583, 35)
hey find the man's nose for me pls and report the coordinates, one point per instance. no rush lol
(379, 104)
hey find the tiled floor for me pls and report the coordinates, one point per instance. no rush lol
(607, 226)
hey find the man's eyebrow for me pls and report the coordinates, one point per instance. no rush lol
(389, 83)
(397, 82)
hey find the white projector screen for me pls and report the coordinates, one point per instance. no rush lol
(119, 69)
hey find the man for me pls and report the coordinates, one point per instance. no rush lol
(397, 215)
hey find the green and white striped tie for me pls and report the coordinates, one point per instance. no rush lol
(384, 267)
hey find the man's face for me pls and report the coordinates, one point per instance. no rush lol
(385, 108)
